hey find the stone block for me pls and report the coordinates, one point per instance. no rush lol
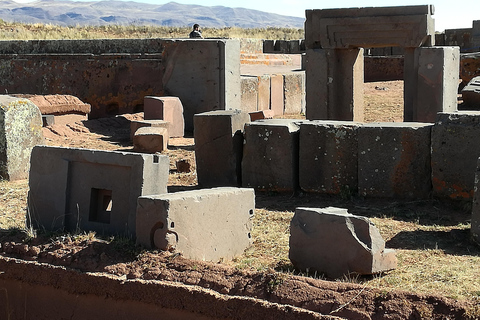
(218, 147)
(404, 26)
(294, 94)
(165, 108)
(20, 131)
(136, 124)
(270, 155)
(268, 46)
(475, 224)
(57, 104)
(333, 242)
(263, 95)
(276, 94)
(249, 90)
(208, 224)
(91, 190)
(263, 114)
(328, 156)
(455, 150)
(150, 139)
(471, 94)
(394, 160)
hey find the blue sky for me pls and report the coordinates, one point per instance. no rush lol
(449, 14)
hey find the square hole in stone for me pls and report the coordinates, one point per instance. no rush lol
(100, 205)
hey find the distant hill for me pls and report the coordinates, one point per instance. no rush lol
(95, 13)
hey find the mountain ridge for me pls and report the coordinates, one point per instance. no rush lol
(171, 14)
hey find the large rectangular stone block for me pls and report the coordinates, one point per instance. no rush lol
(328, 156)
(249, 93)
(165, 108)
(91, 190)
(207, 224)
(218, 147)
(394, 160)
(294, 94)
(270, 155)
(455, 150)
(20, 130)
(276, 94)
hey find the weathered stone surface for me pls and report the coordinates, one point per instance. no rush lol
(475, 224)
(57, 104)
(218, 147)
(262, 114)
(469, 66)
(471, 93)
(20, 131)
(328, 156)
(165, 108)
(294, 86)
(91, 190)
(270, 155)
(249, 92)
(455, 151)
(136, 124)
(336, 243)
(150, 139)
(404, 26)
(394, 160)
(276, 94)
(263, 94)
(207, 224)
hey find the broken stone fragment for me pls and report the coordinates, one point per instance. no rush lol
(337, 243)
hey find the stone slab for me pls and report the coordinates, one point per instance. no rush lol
(91, 190)
(165, 108)
(333, 242)
(57, 104)
(294, 94)
(276, 94)
(263, 114)
(394, 160)
(20, 130)
(263, 95)
(455, 150)
(150, 139)
(136, 124)
(270, 155)
(218, 147)
(208, 224)
(249, 91)
(328, 157)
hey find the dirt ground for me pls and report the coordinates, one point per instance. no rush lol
(117, 256)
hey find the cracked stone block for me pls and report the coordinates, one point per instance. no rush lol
(455, 151)
(20, 130)
(207, 224)
(270, 155)
(150, 139)
(336, 243)
(91, 190)
(166, 108)
(394, 160)
(328, 156)
(218, 147)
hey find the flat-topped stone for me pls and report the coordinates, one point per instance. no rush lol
(150, 139)
(165, 108)
(136, 124)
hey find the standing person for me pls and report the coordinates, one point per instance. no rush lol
(196, 33)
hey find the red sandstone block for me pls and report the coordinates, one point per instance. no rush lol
(150, 139)
(165, 108)
(276, 94)
(263, 102)
(262, 114)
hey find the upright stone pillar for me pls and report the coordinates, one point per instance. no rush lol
(334, 84)
(476, 35)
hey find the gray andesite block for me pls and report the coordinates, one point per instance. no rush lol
(337, 243)
(475, 224)
(455, 150)
(20, 130)
(328, 156)
(294, 95)
(218, 147)
(270, 155)
(91, 190)
(249, 93)
(394, 160)
(208, 224)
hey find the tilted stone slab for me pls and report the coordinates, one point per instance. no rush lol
(408, 26)
(336, 243)
(91, 190)
(207, 224)
(455, 151)
(165, 108)
(20, 130)
(394, 160)
(328, 156)
(475, 224)
(270, 155)
(150, 139)
(218, 147)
